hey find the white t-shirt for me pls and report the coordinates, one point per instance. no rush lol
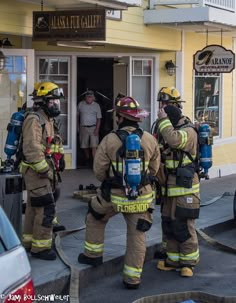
(89, 113)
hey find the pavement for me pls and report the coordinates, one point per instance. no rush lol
(52, 277)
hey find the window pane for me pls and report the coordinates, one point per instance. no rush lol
(137, 67)
(53, 67)
(43, 66)
(19, 64)
(207, 90)
(147, 67)
(63, 67)
(9, 64)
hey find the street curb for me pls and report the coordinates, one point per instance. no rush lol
(89, 275)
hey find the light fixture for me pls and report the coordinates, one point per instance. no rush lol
(2, 60)
(5, 42)
(170, 67)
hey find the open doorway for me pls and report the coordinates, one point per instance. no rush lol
(95, 74)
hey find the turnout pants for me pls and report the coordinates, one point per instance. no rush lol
(96, 222)
(39, 214)
(181, 236)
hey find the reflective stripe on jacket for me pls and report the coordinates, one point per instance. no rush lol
(35, 141)
(106, 154)
(178, 139)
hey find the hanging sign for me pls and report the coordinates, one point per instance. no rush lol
(214, 59)
(83, 25)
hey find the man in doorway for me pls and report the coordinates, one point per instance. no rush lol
(89, 120)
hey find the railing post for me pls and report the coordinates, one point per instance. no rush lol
(152, 4)
(201, 3)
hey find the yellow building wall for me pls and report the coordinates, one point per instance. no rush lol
(224, 154)
(165, 79)
(16, 19)
(132, 32)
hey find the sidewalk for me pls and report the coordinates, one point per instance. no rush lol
(53, 277)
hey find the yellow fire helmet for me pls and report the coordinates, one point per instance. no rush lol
(47, 90)
(169, 95)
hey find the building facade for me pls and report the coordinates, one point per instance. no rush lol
(140, 38)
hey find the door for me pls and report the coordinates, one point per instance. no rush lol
(95, 74)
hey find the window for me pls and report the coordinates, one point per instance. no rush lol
(207, 100)
(141, 86)
(57, 70)
(8, 237)
(13, 84)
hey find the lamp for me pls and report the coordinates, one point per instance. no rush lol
(5, 42)
(2, 60)
(170, 68)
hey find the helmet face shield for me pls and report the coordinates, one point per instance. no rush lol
(56, 93)
(163, 97)
(169, 94)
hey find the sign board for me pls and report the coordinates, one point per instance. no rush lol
(214, 59)
(83, 25)
(113, 14)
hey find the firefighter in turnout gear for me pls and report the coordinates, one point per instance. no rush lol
(180, 184)
(38, 168)
(113, 196)
(166, 96)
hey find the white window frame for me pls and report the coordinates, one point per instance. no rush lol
(29, 53)
(153, 87)
(69, 106)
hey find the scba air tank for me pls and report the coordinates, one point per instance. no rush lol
(14, 129)
(206, 141)
(133, 164)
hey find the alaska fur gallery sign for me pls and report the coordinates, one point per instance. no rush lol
(83, 25)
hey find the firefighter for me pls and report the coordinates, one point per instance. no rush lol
(180, 184)
(112, 196)
(38, 168)
(166, 96)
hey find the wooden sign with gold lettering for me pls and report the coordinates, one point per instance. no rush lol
(83, 25)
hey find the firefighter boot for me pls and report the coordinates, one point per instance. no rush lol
(48, 254)
(83, 259)
(162, 265)
(57, 226)
(186, 272)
